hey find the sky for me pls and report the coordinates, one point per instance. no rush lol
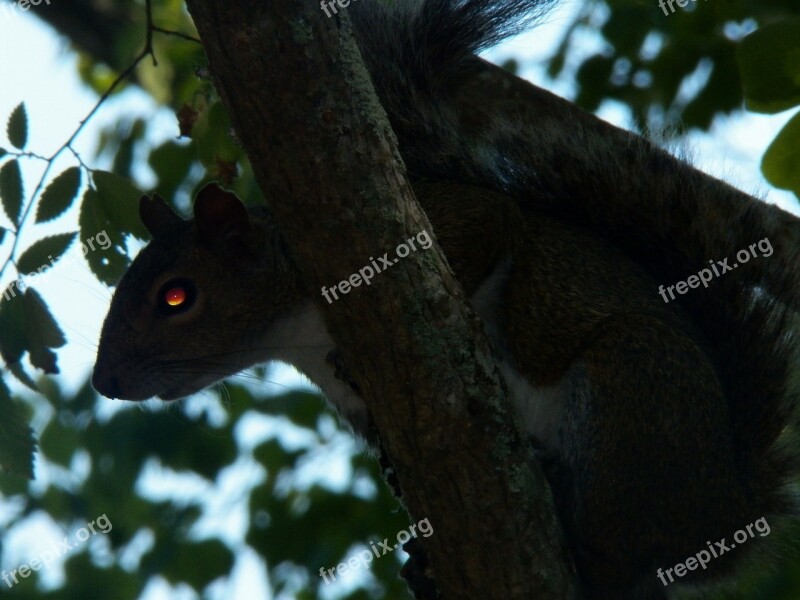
(38, 68)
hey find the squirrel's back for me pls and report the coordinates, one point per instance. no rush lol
(457, 118)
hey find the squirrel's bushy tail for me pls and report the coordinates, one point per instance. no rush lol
(554, 157)
(416, 49)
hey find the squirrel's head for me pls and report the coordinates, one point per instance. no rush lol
(194, 303)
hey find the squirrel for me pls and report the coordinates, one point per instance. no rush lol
(661, 424)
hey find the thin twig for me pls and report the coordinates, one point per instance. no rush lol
(147, 50)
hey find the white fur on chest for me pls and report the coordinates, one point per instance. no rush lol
(302, 341)
(538, 408)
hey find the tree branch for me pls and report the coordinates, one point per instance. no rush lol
(325, 158)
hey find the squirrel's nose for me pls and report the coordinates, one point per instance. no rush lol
(106, 383)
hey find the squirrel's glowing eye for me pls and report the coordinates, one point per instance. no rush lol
(176, 296)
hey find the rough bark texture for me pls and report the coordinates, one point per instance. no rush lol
(322, 150)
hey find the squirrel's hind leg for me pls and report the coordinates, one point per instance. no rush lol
(647, 473)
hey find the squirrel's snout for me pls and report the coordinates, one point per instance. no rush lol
(106, 382)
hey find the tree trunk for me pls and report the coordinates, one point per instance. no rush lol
(304, 109)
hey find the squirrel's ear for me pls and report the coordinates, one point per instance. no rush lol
(219, 214)
(156, 215)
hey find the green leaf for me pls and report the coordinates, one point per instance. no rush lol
(59, 195)
(212, 133)
(17, 443)
(171, 162)
(59, 442)
(11, 190)
(769, 60)
(13, 339)
(3, 152)
(27, 325)
(722, 92)
(198, 562)
(124, 159)
(782, 157)
(108, 265)
(119, 200)
(593, 77)
(17, 127)
(43, 333)
(86, 580)
(41, 256)
(22, 376)
(627, 40)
